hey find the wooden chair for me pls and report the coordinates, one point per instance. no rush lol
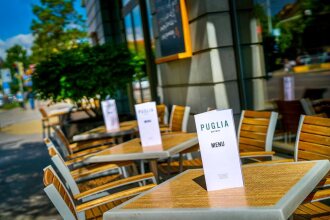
(255, 137)
(75, 208)
(313, 143)
(81, 170)
(162, 113)
(78, 149)
(48, 121)
(256, 132)
(178, 119)
(78, 183)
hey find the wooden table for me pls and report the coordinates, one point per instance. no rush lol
(272, 191)
(173, 143)
(126, 128)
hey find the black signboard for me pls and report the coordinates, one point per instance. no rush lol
(173, 29)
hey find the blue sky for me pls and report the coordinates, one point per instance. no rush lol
(15, 21)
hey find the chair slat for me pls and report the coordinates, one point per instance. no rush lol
(312, 138)
(252, 121)
(317, 121)
(253, 135)
(315, 148)
(253, 142)
(177, 118)
(314, 129)
(245, 147)
(255, 114)
(261, 129)
(305, 155)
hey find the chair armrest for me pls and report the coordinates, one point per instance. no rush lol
(113, 197)
(325, 183)
(115, 184)
(318, 195)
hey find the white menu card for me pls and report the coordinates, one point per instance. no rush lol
(147, 118)
(219, 150)
(110, 114)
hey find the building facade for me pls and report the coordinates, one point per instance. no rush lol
(228, 38)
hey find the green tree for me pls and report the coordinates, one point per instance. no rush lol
(57, 27)
(85, 72)
(15, 53)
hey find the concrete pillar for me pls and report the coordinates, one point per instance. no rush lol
(209, 77)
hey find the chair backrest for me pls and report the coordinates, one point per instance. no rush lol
(313, 139)
(62, 167)
(43, 113)
(64, 142)
(58, 194)
(162, 113)
(179, 118)
(256, 130)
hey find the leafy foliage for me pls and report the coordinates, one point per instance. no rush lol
(58, 26)
(15, 53)
(84, 72)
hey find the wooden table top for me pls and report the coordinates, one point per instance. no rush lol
(127, 127)
(271, 191)
(173, 143)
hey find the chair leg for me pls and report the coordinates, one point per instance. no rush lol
(43, 129)
(48, 131)
(142, 170)
(180, 163)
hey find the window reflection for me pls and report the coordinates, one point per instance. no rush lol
(129, 33)
(139, 40)
(125, 2)
(296, 33)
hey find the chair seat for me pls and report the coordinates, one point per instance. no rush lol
(313, 211)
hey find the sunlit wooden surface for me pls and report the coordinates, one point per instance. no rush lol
(172, 143)
(127, 127)
(272, 191)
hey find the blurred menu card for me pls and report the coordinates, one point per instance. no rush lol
(110, 115)
(147, 118)
(219, 150)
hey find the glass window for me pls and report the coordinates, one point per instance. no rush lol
(139, 40)
(295, 33)
(125, 2)
(129, 33)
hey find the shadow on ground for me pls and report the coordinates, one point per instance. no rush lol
(21, 186)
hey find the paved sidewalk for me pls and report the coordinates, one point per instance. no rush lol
(23, 155)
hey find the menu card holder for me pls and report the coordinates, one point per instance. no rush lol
(110, 115)
(147, 118)
(219, 150)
